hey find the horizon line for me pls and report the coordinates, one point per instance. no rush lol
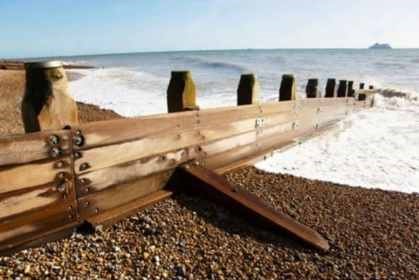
(196, 50)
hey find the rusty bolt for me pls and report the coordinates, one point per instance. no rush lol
(77, 155)
(62, 187)
(96, 210)
(86, 204)
(54, 140)
(78, 140)
(62, 175)
(55, 152)
(84, 166)
(59, 164)
(86, 190)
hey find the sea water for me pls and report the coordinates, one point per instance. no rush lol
(378, 148)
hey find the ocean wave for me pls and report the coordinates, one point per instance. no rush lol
(211, 64)
(390, 65)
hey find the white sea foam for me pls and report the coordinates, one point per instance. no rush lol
(376, 148)
(127, 92)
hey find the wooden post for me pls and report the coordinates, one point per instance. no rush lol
(330, 88)
(181, 93)
(46, 103)
(351, 92)
(361, 86)
(311, 89)
(248, 90)
(342, 88)
(287, 91)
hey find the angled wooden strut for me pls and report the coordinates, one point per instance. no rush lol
(197, 179)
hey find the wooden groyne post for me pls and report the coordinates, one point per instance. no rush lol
(342, 88)
(181, 92)
(248, 90)
(351, 91)
(311, 88)
(287, 90)
(330, 88)
(46, 103)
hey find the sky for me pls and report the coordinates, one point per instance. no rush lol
(34, 28)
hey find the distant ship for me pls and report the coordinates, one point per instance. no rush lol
(381, 46)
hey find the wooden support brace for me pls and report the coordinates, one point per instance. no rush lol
(199, 180)
(181, 93)
(311, 89)
(330, 88)
(287, 91)
(248, 90)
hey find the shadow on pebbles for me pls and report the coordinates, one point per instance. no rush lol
(373, 235)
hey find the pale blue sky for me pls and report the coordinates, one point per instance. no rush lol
(64, 27)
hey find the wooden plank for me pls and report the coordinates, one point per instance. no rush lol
(24, 148)
(118, 174)
(25, 176)
(95, 203)
(21, 202)
(197, 179)
(113, 215)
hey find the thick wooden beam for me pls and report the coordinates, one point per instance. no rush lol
(199, 180)
(361, 86)
(287, 91)
(46, 104)
(248, 91)
(311, 89)
(181, 93)
(342, 89)
(330, 88)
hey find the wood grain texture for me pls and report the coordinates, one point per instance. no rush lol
(20, 149)
(95, 203)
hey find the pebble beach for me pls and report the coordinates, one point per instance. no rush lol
(374, 234)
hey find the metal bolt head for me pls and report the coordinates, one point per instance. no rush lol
(59, 164)
(78, 140)
(55, 152)
(77, 155)
(61, 175)
(62, 187)
(84, 166)
(54, 140)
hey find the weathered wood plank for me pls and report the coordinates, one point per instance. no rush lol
(24, 148)
(103, 178)
(115, 214)
(21, 202)
(95, 203)
(25, 176)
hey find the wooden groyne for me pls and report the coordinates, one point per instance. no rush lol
(59, 178)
